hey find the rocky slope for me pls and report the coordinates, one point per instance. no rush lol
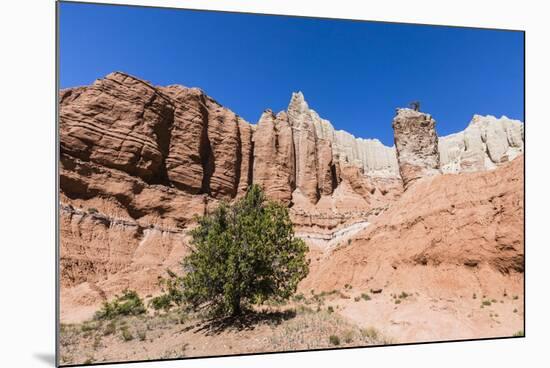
(470, 221)
(138, 162)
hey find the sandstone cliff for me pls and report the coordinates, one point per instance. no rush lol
(484, 144)
(274, 158)
(138, 162)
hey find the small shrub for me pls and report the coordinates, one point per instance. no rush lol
(110, 328)
(349, 241)
(88, 326)
(403, 295)
(474, 296)
(298, 297)
(302, 309)
(365, 297)
(486, 303)
(129, 304)
(516, 297)
(397, 301)
(371, 333)
(92, 210)
(348, 336)
(127, 335)
(97, 342)
(334, 340)
(142, 335)
(330, 309)
(161, 302)
(173, 292)
(515, 310)
(357, 298)
(493, 300)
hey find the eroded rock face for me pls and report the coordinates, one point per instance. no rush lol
(483, 145)
(416, 144)
(173, 135)
(375, 159)
(246, 132)
(274, 158)
(305, 147)
(321, 151)
(326, 170)
(466, 222)
(208, 146)
(119, 122)
(139, 162)
(188, 145)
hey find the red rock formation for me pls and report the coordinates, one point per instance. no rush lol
(305, 146)
(119, 122)
(274, 156)
(416, 145)
(138, 162)
(205, 151)
(188, 144)
(326, 169)
(247, 156)
(470, 221)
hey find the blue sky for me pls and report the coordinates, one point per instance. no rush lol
(352, 73)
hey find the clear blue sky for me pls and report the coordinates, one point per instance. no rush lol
(353, 73)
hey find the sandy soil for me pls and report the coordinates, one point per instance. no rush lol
(355, 317)
(176, 336)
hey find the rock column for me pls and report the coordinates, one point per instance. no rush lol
(416, 145)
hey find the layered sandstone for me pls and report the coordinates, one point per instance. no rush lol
(274, 158)
(175, 136)
(483, 145)
(305, 147)
(138, 162)
(472, 223)
(119, 122)
(374, 158)
(416, 145)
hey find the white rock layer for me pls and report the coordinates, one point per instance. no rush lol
(373, 157)
(485, 143)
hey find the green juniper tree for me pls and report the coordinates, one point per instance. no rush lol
(244, 253)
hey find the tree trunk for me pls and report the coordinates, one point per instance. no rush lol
(237, 306)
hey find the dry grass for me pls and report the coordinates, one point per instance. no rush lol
(173, 335)
(312, 331)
